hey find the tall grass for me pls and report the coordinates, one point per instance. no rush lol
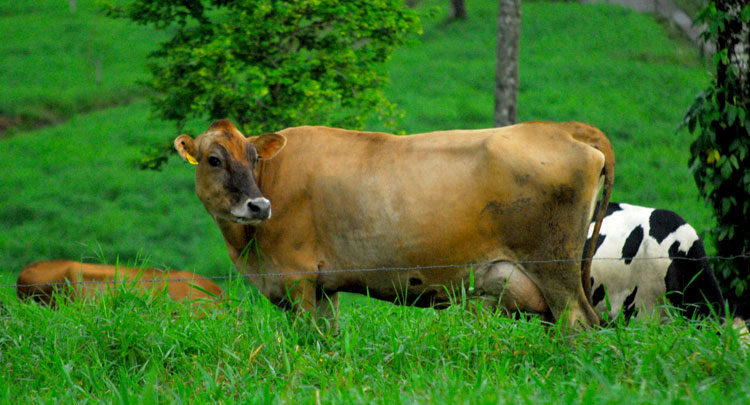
(125, 349)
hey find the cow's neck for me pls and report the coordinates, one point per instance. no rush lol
(237, 238)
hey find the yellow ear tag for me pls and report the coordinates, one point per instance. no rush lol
(191, 159)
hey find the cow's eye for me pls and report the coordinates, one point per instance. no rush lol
(214, 161)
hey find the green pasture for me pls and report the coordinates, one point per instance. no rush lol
(57, 61)
(125, 350)
(71, 191)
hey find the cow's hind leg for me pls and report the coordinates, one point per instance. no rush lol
(555, 266)
(565, 296)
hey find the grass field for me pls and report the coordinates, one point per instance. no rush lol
(70, 191)
(56, 61)
(125, 350)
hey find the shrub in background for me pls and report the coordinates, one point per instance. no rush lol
(720, 153)
(271, 64)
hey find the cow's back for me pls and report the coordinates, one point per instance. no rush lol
(185, 285)
(424, 189)
(41, 279)
(38, 280)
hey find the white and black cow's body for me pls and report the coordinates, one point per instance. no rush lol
(646, 257)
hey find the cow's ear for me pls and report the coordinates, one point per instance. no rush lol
(268, 145)
(185, 146)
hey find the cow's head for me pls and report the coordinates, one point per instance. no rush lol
(225, 176)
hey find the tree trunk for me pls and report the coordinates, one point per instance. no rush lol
(506, 71)
(458, 9)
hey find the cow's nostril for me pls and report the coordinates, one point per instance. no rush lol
(259, 207)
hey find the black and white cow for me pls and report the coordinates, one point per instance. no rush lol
(646, 257)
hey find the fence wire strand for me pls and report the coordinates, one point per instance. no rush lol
(362, 270)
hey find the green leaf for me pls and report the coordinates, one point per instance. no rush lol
(726, 168)
(733, 160)
(731, 114)
(721, 234)
(691, 125)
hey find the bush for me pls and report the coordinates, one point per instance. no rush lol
(720, 153)
(270, 64)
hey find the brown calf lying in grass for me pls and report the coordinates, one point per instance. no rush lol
(77, 280)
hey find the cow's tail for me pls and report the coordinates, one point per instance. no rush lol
(596, 139)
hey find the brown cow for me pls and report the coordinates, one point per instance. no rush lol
(39, 280)
(423, 206)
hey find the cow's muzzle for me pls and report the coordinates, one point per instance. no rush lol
(253, 211)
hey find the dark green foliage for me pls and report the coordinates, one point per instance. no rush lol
(720, 153)
(269, 64)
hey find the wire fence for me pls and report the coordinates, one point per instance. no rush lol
(125, 280)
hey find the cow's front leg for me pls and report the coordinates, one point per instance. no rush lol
(327, 311)
(306, 299)
(301, 295)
